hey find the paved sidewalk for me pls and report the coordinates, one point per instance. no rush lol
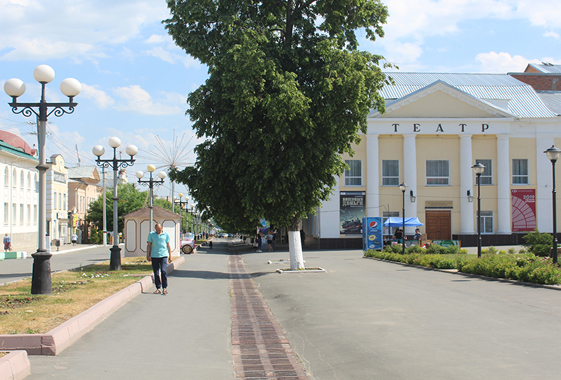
(183, 335)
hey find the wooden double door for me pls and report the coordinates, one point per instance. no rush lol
(438, 225)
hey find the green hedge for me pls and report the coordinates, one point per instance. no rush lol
(521, 267)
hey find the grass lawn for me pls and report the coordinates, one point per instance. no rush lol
(74, 291)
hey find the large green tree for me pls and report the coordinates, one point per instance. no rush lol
(288, 92)
(130, 199)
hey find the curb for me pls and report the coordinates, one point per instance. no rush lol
(14, 366)
(63, 336)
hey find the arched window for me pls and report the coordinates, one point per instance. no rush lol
(6, 177)
(36, 182)
(29, 183)
(14, 179)
(21, 175)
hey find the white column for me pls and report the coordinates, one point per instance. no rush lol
(329, 215)
(466, 183)
(410, 176)
(544, 176)
(503, 185)
(372, 176)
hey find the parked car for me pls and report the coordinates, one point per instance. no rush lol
(188, 243)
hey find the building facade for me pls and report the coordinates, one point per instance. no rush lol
(57, 200)
(83, 189)
(436, 127)
(19, 181)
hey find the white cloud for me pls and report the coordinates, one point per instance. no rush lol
(157, 39)
(100, 97)
(139, 100)
(172, 57)
(551, 34)
(67, 28)
(493, 62)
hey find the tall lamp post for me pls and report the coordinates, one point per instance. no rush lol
(403, 187)
(478, 168)
(115, 163)
(192, 214)
(150, 183)
(553, 154)
(41, 277)
(181, 204)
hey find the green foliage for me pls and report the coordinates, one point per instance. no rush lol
(286, 95)
(522, 267)
(96, 236)
(540, 244)
(130, 199)
(492, 250)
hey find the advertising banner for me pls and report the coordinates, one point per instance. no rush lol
(523, 210)
(372, 233)
(352, 211)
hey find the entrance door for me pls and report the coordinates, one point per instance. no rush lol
(439, 225)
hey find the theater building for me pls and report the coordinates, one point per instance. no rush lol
(436, 127)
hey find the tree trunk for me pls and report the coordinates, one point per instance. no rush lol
(295, 245)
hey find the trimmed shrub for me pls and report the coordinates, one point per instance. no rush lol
(538, 243)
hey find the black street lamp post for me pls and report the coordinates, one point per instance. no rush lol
(115, 163)
(150, 183)
(181, 206)
(478, 168)
(403, 187)
(41, 277)
(553, 155)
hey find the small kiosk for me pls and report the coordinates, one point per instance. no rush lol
(137, 228)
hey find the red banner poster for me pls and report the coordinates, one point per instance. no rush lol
(523, 210)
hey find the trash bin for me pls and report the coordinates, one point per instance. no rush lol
(57, 244)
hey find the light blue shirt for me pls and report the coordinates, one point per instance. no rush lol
(159, 244)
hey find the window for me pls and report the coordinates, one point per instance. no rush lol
(390, 173)
(35, 215)
(385, 216)
(6, 177)
(487, 175)
(28, 182)
(21, 175)
(14, 179)
(353, 175)
(54, 201)
(486, 222)
(438, 172)
(36, 183)
(21, 215)
(28, 215)
(520, 172)
(6, 213)
(14, 214)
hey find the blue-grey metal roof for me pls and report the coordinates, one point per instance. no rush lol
(552, 99)
(547, 68)
(524, 102)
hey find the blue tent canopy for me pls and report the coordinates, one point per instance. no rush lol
(398, 222)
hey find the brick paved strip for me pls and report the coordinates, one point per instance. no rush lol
(260, 349)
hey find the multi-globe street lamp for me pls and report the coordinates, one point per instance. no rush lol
(41, 277)
(403, 187)
(478, 168)
(151, 183)
(553, 155)
(115, 163)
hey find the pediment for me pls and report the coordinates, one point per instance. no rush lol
(440, 100)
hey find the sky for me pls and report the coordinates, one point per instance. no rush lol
(135, 80)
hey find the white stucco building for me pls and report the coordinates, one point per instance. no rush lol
(19, 190)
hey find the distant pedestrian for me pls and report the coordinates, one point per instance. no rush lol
(74, 238)
(159, 252)
(270, 241)
(7, 243)
(259, 242)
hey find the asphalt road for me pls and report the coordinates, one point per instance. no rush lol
(367, 319)
(15, 269)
